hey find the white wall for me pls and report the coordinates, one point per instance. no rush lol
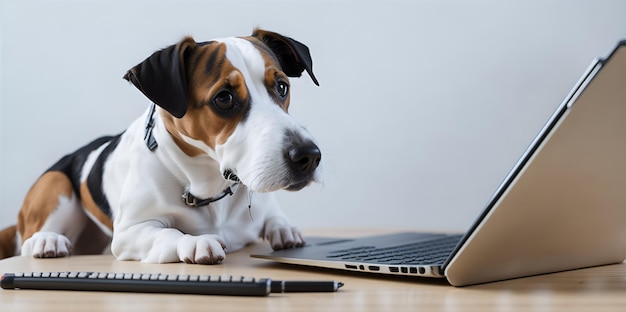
(423, 107)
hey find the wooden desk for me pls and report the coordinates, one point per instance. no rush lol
(592, 289)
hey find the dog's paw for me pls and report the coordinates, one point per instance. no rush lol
(203, 249)
(47, 245)
(283, 237)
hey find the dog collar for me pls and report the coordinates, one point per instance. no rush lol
(195, 202)
(187, 197)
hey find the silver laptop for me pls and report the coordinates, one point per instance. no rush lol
(562, 206)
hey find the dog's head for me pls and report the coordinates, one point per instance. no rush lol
(229, 98)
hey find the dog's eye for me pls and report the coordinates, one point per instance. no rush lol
(282, 89)
(224, 100)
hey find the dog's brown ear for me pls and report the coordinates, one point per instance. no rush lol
(162, 78)
(293, 56)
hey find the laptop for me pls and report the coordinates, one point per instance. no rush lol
(562, 206)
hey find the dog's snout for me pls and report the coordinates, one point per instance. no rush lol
(305, 158)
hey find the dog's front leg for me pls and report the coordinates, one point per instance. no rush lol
(151, 242)
(281, 234)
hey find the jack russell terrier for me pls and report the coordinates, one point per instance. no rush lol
(192, 177)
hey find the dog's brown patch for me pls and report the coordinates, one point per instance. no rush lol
(208, 73)
(273, 71)
(7, 242)
(273, 76)
(91, 206)
(41, 200)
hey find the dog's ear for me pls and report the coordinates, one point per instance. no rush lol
(293, 56)
(162, 77)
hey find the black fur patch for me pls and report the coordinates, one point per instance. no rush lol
(94, 179)
(72, 166)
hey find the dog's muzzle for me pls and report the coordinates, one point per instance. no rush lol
(292, 172)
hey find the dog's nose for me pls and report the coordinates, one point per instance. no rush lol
(305, 158)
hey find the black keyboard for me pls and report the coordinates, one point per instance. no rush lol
(434, 251)
(136, 282)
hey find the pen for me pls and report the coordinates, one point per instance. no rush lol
(305, 286)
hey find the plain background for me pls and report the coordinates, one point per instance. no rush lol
(423, 106)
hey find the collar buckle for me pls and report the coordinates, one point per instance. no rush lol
(189, 199)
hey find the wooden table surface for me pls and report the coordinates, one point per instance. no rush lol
(592, 289)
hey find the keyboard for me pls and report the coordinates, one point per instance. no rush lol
(429, 252)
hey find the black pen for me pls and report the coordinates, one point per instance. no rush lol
(305, 286)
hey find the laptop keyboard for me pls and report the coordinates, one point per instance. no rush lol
(434, 251)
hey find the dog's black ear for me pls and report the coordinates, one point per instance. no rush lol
(293, 56)
(162, 78)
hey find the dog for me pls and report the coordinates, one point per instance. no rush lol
(192, 177)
